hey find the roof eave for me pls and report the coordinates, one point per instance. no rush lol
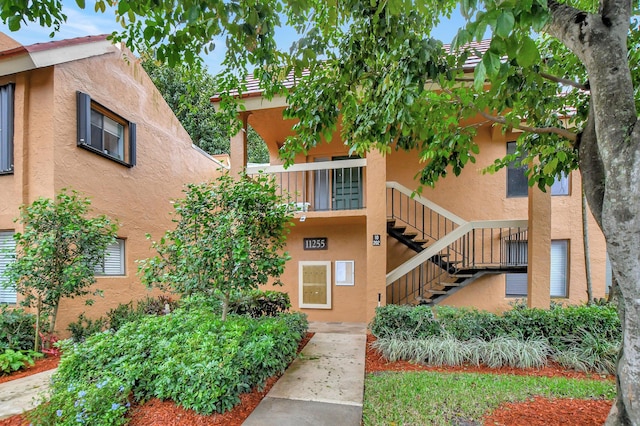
(27, 58)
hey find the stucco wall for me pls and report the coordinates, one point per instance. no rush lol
(471, 196)
(346, 241)
(477, 196)
(48, 159)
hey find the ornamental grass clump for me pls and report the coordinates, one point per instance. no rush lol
(584, 337)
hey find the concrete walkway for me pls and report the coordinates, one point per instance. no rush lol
(323, 386)
(20, 395)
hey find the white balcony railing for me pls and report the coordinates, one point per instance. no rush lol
(320, 186)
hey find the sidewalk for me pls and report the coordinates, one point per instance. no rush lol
(18, 396)
(323, 386)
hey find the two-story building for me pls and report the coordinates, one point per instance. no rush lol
(361, 239)
(83, 114)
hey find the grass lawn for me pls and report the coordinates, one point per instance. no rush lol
(436, 398)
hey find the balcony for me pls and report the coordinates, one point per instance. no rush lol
(321, 189)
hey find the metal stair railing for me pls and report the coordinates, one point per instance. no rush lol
(429, 220)
(474, 247)
(458, 250)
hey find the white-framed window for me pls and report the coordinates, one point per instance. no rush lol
(345, 272)
(113, 259)
(314, 284)
(7, 255)
(6, 129)
(559, 264)
(104, 132)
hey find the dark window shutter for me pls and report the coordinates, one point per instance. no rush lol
(84, 119)
(6, 128)
(132, 144)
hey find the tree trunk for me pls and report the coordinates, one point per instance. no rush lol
(225, 306)
(599, 40)
(585, 242)
(36, 340)
(54, 316)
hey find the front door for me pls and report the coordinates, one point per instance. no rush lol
(347, 187)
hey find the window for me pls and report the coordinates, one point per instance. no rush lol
(105, 133)
(560, 185)
(6, 129)
(516, 255)
(7, 254)
(516, 284)
(559, 256)
(113, 259)
(345, 272)
(517, 182)
(314, 284)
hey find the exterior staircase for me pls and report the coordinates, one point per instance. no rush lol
(451, 253)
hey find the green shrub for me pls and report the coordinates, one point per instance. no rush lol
(563, 325)
(102, 402)
(17, 328)
(120, 315)
(466, 323)
(156, 305)
(258, 303)
(126, 312)
(11, 360)
(190, 356)
(405, 321)
(584, 337)
(85, 327)
(201, 301)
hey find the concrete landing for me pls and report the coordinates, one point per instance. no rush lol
(324, 385)
(18, 396)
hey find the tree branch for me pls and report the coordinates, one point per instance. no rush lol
(566, 25)
(550, 77)
(565, 81)
(539, 130)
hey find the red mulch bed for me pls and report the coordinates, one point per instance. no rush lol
(536, 412)
(42, 364)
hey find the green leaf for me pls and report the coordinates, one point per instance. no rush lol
(123, 7)
(492, 63)
(14, 23)
(528, 53)
(480, 75)
(505, 24)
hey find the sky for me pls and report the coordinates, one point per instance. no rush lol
(86, 22)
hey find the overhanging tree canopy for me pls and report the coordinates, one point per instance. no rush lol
(565, 72)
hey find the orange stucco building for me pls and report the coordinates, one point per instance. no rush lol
(83, 114)
(475, 240)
